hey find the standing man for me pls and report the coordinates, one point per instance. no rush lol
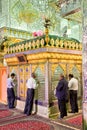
(61, 93)
(10, 91)
(31, 86)
(73, 88)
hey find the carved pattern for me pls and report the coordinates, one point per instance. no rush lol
(53, 67)
(63, 66)
(57, 42)
(79, 67)
(42, 42)
(50, 42)
(37, 43)
(42, 68)
(34, 67)
(70, 68)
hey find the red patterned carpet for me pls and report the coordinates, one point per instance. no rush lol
(3, 107)
(15, 120)
(27, 125)
(74, 121)
(5, 113)
(77, 121)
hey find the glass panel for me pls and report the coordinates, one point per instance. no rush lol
(41, 88)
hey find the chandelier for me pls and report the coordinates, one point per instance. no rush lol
(24, 12)
(28, 16)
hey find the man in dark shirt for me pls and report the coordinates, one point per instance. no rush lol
(61, 93)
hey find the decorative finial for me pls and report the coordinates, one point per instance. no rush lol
(46, 25)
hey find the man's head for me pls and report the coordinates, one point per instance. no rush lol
(33, 75)
(61, 76)
(12, 75)
(70, 76)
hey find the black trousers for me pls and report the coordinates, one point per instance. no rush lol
(10, 97)
(73, 100)
(62, 107)
(29, 101)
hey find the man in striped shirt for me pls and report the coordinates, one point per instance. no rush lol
(10, 91)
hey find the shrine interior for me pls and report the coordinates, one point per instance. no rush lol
(45, 37)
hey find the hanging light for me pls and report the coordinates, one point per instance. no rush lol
(69, 29)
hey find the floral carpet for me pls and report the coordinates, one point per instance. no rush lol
(5, 113)
(3, 107)
(27, 125)
(76, 121)
(13, 119)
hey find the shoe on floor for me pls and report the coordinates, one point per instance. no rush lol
(71, 112)
(60, 117)
(11, 107)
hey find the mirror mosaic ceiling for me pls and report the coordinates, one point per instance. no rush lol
(29, 15)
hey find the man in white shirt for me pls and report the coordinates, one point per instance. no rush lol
(31, 86)
(73, 88)
(10, 91)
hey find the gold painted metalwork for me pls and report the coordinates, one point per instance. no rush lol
(26, 46)
(53, 68)
(79, 67)
(37, 43)
(70, 68)
(29, 45)
(42, 67)
(80, 46)
(63, 66)
(73, 45)
(34, 67)
(47, 39)
(42, 42)
(22, 47)
(77, 46)
(61, 43)
(57, 42)
(52, 55)
(37, 61)
(33, 44)
(52, 42)
(13, 69)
